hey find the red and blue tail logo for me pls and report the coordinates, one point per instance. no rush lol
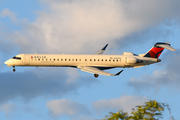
(155, 52)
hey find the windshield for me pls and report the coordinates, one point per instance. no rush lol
(18, 58)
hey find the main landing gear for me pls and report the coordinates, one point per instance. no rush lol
(14, 70)
(96, 75)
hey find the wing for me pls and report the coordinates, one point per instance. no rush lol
(100, 52)
(97, 71)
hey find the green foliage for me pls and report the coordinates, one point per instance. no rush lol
(150, 111)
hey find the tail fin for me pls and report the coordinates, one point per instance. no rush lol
(158, 48)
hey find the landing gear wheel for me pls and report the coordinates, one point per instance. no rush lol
(14, 70)
(96, 75)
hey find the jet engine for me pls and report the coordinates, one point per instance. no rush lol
(128, 53)
(131, 60)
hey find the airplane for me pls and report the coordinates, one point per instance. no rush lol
(95, 63)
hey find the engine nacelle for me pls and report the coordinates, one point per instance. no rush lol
(131, 60)
(128, 53)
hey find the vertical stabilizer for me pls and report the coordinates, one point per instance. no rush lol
(158, 48)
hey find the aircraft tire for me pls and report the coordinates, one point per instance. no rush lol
(96, 75)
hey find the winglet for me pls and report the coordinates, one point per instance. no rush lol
(118, 73)
(100, 52)
(104, 47)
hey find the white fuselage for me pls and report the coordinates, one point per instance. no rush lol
(60, 60)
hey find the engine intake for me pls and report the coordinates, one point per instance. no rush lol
(131, 60)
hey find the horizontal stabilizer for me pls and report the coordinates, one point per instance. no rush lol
(167, 47)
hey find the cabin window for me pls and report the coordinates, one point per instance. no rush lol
(61, 59)
(46, 59)
(102, 59)
(57, 59)
(94, 59)
(90, 59)
(113, 60)
(109, 60)
(69, 59)
(65, 59)
(39, 59)
(85, 59)
(76, 59)
(50, 59)
(105, 59)
(117, 60)
(42, 59)
(98, 59)
(72, 59)
(79, 59)
(54, 59)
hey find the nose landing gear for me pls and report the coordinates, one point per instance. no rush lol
(14, 70)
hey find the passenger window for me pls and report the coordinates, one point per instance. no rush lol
(94, 59)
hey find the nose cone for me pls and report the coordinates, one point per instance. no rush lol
(6, 62)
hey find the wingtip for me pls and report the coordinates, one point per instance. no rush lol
(104, 47)
(119, 73)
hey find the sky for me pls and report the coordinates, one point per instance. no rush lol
(84, 27)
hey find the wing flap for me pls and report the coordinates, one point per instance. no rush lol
(95, 71)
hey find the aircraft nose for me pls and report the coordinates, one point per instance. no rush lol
(6, 62)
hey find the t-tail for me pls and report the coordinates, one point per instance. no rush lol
(158, 48)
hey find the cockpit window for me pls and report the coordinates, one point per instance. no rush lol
(18, 58)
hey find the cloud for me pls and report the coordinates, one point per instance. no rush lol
(7, 108)
(83, 26)
(7, 13)
(66, 107)
(167, 77)
(39, 83)
(125, 103)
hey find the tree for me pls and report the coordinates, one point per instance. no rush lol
(150, 111)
